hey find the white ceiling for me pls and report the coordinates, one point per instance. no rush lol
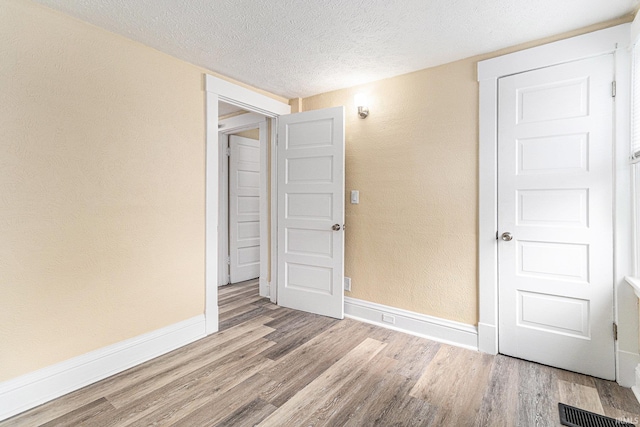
(297, 48)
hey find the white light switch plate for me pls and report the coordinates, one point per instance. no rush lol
(355, 197)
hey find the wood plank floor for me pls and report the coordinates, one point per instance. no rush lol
(271, 366)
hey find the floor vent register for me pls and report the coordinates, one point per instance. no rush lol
(574, 417)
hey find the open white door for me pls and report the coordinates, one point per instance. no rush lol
(244, 208)
(311, 211)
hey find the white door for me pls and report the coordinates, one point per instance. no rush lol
(311, 211)
(244, 208)
(555, 186)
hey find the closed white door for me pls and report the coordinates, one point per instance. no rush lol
(244, 208)
(311, 211)
(555, 187)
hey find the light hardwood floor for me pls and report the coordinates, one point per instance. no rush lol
(271, 366)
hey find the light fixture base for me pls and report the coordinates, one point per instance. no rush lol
(363, 112)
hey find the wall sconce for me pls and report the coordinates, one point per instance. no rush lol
(362, 104)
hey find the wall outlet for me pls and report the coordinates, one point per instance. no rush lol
(387, 318)
(347, 283)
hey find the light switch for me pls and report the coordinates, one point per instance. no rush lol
(355, 197)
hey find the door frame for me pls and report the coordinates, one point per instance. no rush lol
(614, 40)
(227, 127)
(221, 90)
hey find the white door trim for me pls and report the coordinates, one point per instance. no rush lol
(240, 123)
(611, 40)
(229, 126)
(223, 211)
(221, 90)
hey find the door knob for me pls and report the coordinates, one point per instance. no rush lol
(336, 227)
(507, 237)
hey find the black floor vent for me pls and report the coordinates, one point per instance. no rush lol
(574, 417)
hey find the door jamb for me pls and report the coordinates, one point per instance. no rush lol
(614, 40)
(222, 90)
(227, 127)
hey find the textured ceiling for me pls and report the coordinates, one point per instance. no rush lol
(297, 48)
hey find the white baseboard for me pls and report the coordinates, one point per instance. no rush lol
(35, 388)
(487, 338)
(627, 367)
(263, 287)
(636, 387)
(433, 328)
(212, 316)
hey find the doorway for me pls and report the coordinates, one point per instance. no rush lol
(310, 206)
(243, 197)
(219, 90)
(611, 41)
(555, 205)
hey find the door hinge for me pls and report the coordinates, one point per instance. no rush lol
(613, 89)
(615, 331)
(228, 152)
(228, 260)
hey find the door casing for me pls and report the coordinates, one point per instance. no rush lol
(222, 90)
(614, 40)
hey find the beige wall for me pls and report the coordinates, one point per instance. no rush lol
(250, 133)
(101, 188)
(411, 243)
